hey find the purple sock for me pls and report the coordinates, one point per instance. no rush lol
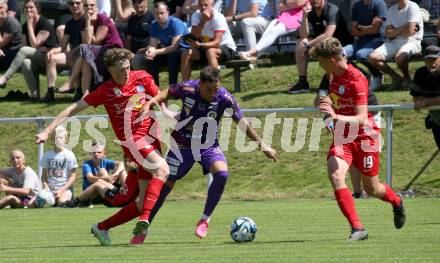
(163, 195)
(215, 191)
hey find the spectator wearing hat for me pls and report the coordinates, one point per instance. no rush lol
(426, 89)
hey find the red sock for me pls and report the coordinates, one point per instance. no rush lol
(390, 196)
(151, 195)
(124, 215)
(346, 204)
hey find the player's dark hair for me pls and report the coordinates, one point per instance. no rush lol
(115, 55)
(329, 47)
(210, 74)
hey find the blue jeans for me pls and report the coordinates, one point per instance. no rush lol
(360, 50)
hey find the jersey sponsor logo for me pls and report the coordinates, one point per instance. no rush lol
(189, 102)
(341, 89)
(137, 101)
(188, 88)
(140, 88)
(368, 162)
(212, 114)
(173, 161)
(335, 100)
(213, 106)
(117, 92)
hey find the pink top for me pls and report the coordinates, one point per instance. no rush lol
(291, 18)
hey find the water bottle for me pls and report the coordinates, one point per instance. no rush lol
(328, 121)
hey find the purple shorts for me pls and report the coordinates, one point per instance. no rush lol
(180, 165)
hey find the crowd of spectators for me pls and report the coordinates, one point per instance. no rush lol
(101, 177)
(177, 34)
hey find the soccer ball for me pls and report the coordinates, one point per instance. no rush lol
(243, 229)
(44, 198)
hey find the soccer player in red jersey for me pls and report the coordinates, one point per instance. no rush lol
(355, 136)
(123, 96)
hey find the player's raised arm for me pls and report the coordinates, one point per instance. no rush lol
(270, 153)
(67, 112)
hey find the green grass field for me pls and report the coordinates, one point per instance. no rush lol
(289, 199)
(300, 230)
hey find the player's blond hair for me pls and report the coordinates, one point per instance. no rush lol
(116, 55)
(329, 47)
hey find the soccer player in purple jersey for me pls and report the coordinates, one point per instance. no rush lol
(204, 103)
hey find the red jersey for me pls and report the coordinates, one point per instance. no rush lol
(347, 91)
(123, 103)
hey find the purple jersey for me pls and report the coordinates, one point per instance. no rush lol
(196, 110)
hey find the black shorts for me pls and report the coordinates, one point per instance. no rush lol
(227, 54)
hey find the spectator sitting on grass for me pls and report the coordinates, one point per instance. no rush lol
(101, 168)
(19, 182)
(59, 168)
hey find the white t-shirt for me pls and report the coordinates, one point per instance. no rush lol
(58, 165)
(216, 24)
(27, 179)
(410, 13)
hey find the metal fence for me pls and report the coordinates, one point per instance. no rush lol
(387, 109)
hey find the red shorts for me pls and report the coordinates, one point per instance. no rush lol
(365, 159)
(143, 174)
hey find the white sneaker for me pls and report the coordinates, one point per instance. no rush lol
(101, 235)
(375, 82)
